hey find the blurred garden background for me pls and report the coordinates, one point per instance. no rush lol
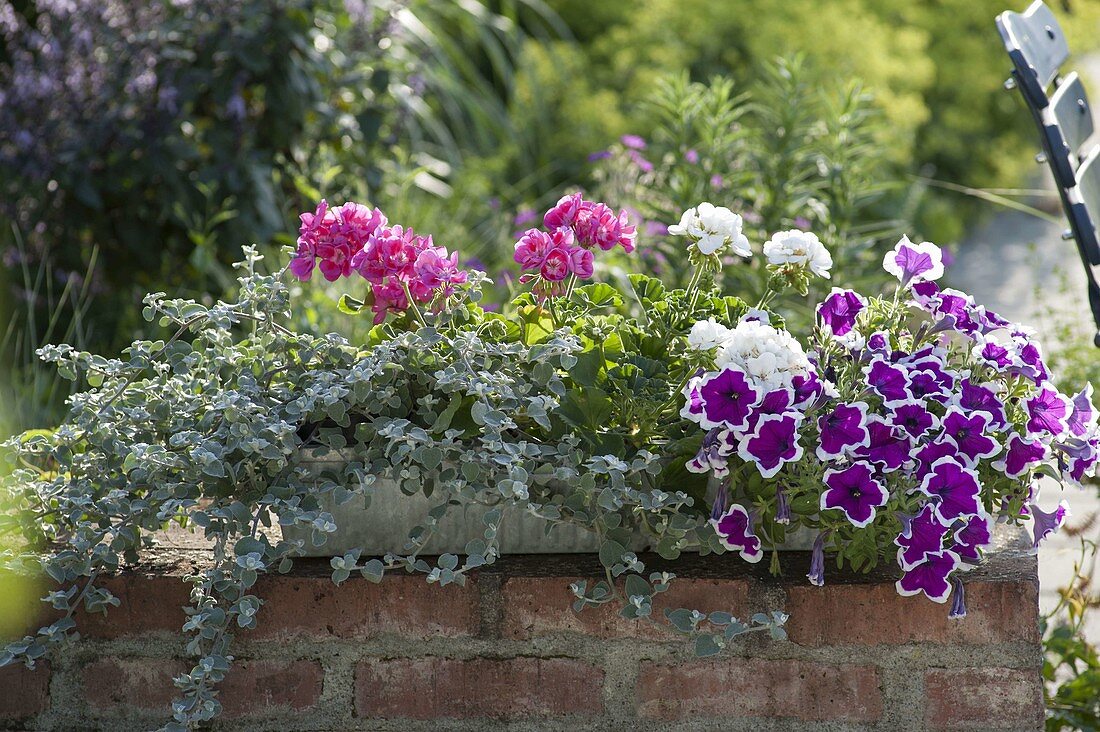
(144, 142)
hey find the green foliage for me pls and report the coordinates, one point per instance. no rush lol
(552, 411)
(787, 153)
(935, 69)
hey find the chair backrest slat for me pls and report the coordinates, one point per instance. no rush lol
(1086, 209)
(1037, 46)
(1067, 126)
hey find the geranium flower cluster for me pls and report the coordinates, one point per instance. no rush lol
(574, 227)
(925, 419)
(397, 263)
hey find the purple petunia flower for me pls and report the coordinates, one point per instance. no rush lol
(920, 536)
(842, 430)
(817, 561)
(782, 506)
(710, 458)
(773, 443)
(728, 397)
(855, 492)
(928, 454)
(968, 434)
(808, 389)
(930, 577)
(954, 488)
(1021, 454)
(911, 262)
(1083, 417)
(734, 530)
(693, 400)
(838, 311)
(1044, 524)
(888, 381)
(974, 535)
(775, 402)
(1048, 411)
(931, 382)
(888, 447)
(958, 605)
(914, 419)
(977, 398)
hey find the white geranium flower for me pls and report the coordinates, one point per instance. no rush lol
(801, 249)
(707, 334)
(713, 228)
(771, 357)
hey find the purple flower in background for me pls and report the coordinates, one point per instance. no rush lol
(888, 447)
(911, 262)
(734, 530)
(839, 310)
(772, 444)
(1044, 524)
(717, 181)
(920, 536)
(930, 577)
(968, 434)
(1083, 417)
(855, 492)
(975, 535)
(1020, 455)
(842, 430)
(801, 222)
(958, 605)
(954, 488)
(524, 216)
(656, 228)
(599, 155)
(914, 419)
(727, 397)
(817, 561)
(692, 156)
(641, 162)
(1048, 411)
(634, 142)
(888, 381)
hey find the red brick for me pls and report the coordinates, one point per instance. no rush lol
(149, 604)
(986, 698)
(433, 688)
(866, 614)
(739, 687)
(251, 687)
(24, 692)
(400, 604)
(536, 606)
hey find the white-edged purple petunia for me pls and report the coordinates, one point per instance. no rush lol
(1082, 419)
(914, 419)
(888, 381)
(1048, 411)
(931, 576)
(972, 537)
(727, 397)
(735, 532)
(772, 444)
(967, 433)
(1020, 454)
(842, 430)
(889, 446)
(1045, 523)
(974, 397)
(855, 492)
(911, 262)
(920, 535)
(838, 311)
(954, 490)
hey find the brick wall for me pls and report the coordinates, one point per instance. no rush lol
(506, 652)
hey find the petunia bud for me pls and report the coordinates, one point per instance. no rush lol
(817, 561)
(958, 605)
